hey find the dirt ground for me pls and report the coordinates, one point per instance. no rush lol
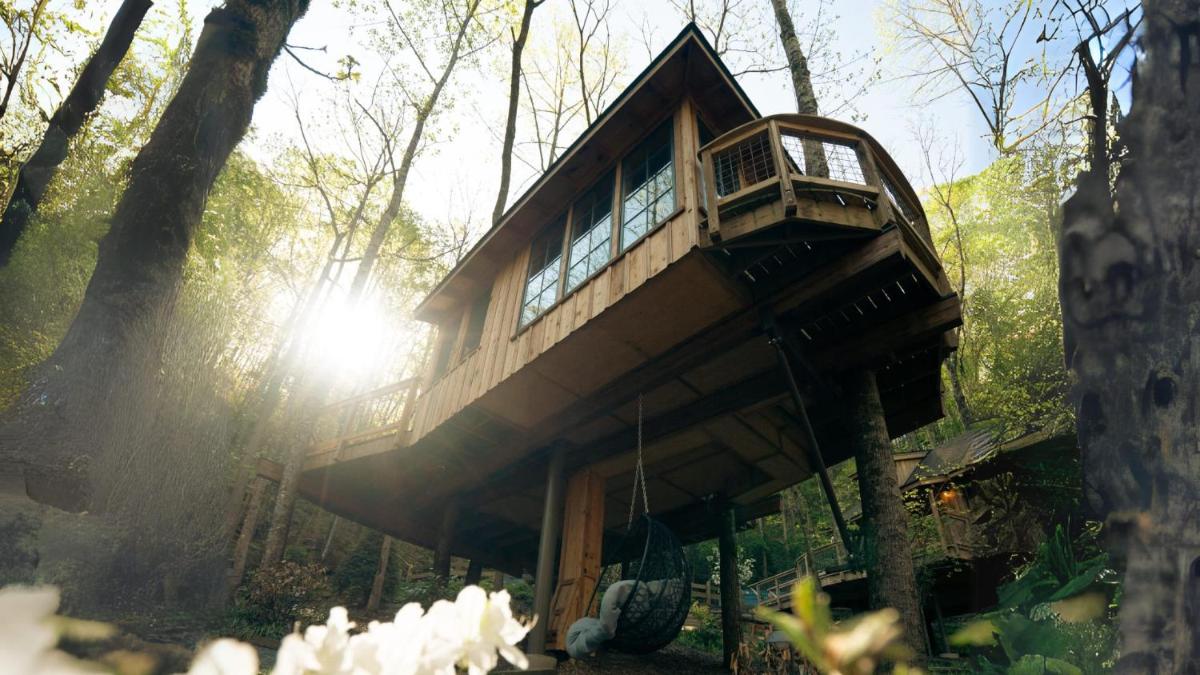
(673, 659)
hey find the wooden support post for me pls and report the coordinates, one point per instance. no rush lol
(579, 559)
(497, 580)
(891, 581)
(731, 593)
(547, 547)
(474, 572)
(385, 553)
(241, 550)
(441, 554)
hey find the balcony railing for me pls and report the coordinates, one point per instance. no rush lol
(799, 160)
(382, 412)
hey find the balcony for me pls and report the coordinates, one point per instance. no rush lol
(828, 176)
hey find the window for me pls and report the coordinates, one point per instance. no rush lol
(592, 232)
(446, 337)
(475, 321)
(541, 287)
(647, 185)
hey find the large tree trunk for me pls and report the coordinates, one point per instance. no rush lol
(806, 98)
(36, 174)
(891, 580)
(140, 264)
(514, 100)
(1130, 291)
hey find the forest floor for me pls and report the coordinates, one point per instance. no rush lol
(671, 659)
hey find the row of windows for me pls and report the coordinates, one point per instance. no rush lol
(647, 198)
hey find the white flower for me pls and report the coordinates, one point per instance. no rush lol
(225, 657)
(28, 635)
(486, 625)
(322, 651)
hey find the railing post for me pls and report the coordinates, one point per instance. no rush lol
(712, 208)
(782, 172)
(883, 208)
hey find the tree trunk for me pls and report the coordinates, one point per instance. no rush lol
(474, 572)
(392, 211)
(731, 593)
(441, 555)
(514, 100)
(960, 399)
(241, 550)
(1130, 291)
(385, 554)
(35, 175)
(140, 264)
(891, 581)
(806, 98)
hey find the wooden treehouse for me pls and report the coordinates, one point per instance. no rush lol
(685, 251)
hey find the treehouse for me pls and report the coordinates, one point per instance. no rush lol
(679, 291)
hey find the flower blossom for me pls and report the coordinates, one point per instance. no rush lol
(28, 634)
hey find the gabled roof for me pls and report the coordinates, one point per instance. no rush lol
(687, 65)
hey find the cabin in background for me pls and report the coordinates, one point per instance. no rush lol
(683, 288)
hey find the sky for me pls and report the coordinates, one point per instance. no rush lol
(458, 176)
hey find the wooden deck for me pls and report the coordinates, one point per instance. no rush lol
(843, 261)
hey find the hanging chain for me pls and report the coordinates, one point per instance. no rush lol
(639, 473)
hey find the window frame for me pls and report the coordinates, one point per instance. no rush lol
(673, 120)
(612, 176)
(564, 220)
(619, 223)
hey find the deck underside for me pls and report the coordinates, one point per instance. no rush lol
(718, 421)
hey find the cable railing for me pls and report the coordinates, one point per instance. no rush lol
(791, 163)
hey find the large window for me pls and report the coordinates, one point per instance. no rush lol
(475, 322)
(647, 185)
(545, 262)
(591, 235)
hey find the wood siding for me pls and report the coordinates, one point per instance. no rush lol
(506, 347)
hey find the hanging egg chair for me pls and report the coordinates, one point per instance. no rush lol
(647, 586)
(655, 570)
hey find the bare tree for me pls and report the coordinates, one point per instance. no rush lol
(943, 179)
(514, 102)
(549, 83)
(806, 98)
(987, 53)
(1130, 292)
(35, 175)
(596, 61)
(22, 29)
(461, 20)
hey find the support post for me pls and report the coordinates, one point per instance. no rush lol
(810, 437)
(543, 589)
(731, 594)
(241, 550)
(474, 572)
(887, 556)
(385, 553)
(441, 554)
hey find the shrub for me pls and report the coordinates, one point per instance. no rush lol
(706, 636)
(278, 596)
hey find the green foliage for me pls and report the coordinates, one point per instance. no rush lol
(706, 636)
(1053, 618)
(852, 647)
(276, 597)
(997, 235)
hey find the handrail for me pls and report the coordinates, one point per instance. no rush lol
(802, 155)
(383, 411)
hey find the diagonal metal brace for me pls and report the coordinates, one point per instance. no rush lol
(775, 337)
